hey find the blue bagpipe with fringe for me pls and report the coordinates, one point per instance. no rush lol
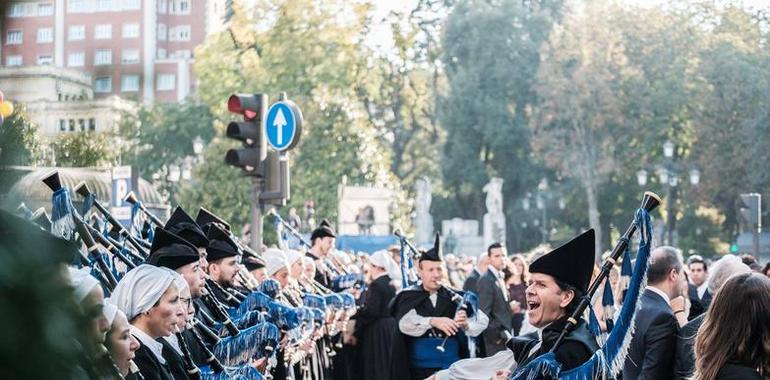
(606, 362)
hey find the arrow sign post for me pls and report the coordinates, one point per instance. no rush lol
(283, 125)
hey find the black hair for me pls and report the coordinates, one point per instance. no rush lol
(664, 259)
(697, 260)
(564, 287)
(493, 246)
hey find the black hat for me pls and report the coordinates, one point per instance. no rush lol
(206, 217)
(181, 224)
(572, 263)
(324, 230)
(171, 251)
(433, 254)
(253, 262)
(221, 245)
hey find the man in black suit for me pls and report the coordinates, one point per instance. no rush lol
(651, 354)
(473, 278)
(697, 290)
(493, 300)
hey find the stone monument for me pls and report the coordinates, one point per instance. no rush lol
(423, 220)
(494, 219)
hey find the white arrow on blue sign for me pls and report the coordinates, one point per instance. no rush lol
(283, 125)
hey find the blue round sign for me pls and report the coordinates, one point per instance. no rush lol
(283, 125)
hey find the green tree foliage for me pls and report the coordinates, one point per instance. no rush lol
(81, 149)
(173, 127)
(19, 142)
(490, 56)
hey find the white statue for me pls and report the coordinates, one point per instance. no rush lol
(423, 220)
(494, 219)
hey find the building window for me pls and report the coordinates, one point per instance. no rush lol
(162, 6)
(179, 7)
(76, 59)
(45, 9)
(62, 125)
(13, 60)
(103, 84)
(103, 57)
(179, 33)
(44, 35)
(76, 6)
(131, 4)
(45, 59)
(161, 53)
(71, 124)
(16, 10)
(14, 37)
(166, 82)
(161, 32)
(130, 30)
(77, 32)
(91, 124)
(129, 83)
(182, 54)
(103, 31)
(130, 56)
(103, 5)
(82, 125)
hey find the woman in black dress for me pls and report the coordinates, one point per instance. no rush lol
(374, 325)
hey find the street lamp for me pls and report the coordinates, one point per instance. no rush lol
(668, 176)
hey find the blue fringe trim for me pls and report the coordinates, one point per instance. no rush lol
(62, 219)
(544, 367)
(249, 344)
(243, 372)
(88, 202)
(270, 287)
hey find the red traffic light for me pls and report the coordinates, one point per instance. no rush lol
(248, 105)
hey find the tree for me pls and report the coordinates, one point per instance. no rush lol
(82, 149)
(163, 135)
(579, 120)
(490, 56)
(19, 142)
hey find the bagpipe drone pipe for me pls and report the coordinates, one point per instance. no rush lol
(608, 360)
(341, 278)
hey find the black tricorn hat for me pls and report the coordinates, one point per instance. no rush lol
(183, 225)
(221, 245)
(171, 251)
(207, 217)
(572, 263)
(435, 253)
(324, 229)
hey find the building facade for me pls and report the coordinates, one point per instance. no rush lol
(136, 49)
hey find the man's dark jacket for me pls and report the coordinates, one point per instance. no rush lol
(492, 302)
(651, 354)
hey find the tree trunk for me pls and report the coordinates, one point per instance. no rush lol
(593, 217)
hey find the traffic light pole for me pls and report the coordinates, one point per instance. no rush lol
(256, 215)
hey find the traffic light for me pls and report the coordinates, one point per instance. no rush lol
(752, 210)
(249, 131)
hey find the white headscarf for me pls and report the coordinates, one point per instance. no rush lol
(292, 256)
(83, 282)
(275, 259)
(140, 289)
(383, 259)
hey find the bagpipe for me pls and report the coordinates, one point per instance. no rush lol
(341, 277)
(609, 359)
(256, 338)
(408, 254)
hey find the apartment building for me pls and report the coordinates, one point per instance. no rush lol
(136, 49)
